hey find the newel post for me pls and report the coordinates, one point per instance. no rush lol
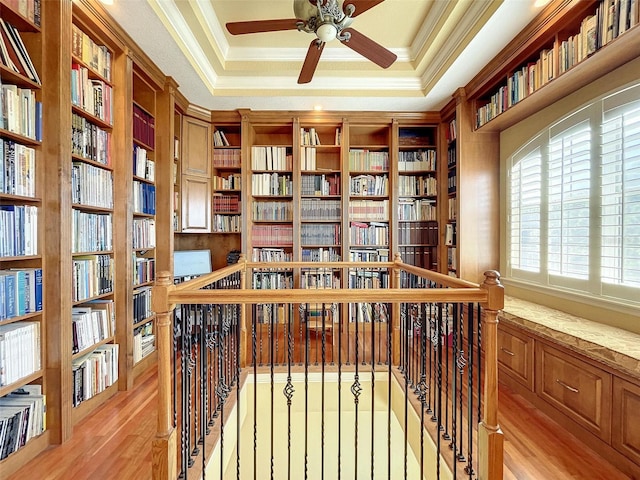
(243, 313)
(164, 450)
(395, 312)
(490, 439)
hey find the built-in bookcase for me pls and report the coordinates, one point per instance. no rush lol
(22, 306)
(321, 193)
(369, 193)
(450, 224)
(417, 182)
(143, 200)
(227, 183)
(93, 265)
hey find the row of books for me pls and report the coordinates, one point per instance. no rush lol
(18, 230)
(144, 270)
(416, 209)
(232, 182)
(144, 127)
(17, 169)
(452, 258)
(141, 304)
(417, 186)
(14, 54)
(19, 351)
(97, 57)
(610, 19)
(363, 160)
(144, 198)
(452, 209)
(319, 209)
(227, 203)
(320, 234)
(324, 184)
(227, 158)
(368, 278)
(275, 211)
(423, 257)
(220, 139)
(93, 96)
(369, 255)
(270, 255)
(271, 184)
(94, 372)
(452, 131)
(90, 141)
(91, 185)
(368, 233)
(369, 209)
(22, 417)
(452, 157)
(308, 159)
(144, 233)
(90, 325)
(369, 185)
(272, 235)
(368, 313)
(271, 158)
(91, 232)
(271, 280)
(227, 223)
(321, 254)
(20, 112)
(29, 9)
(450, 235)
(309, 137)
(143, 166)
(419, 160)
(92, 275)
(144, 342)
(452, 182)
(319, 279)
(418, 233)
(20, 292)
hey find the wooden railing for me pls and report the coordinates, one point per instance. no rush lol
(450, 291)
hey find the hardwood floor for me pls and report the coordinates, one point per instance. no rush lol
(114, 443)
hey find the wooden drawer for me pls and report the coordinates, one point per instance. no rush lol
(578, 389)
(515, 355)
(626, 419)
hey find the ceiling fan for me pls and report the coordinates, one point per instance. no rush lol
(328, 21)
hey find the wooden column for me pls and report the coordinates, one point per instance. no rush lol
(243, 313)
(490, 439)
(395, 313)
(164, 451)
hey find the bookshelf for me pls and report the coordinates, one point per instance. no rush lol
(417, 184)
(561, 50)
(369, 197)
(22, 264)
(141, 342)
(451, 213)
(227, 185)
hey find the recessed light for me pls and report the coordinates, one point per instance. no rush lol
(107, 2)
(317, 108)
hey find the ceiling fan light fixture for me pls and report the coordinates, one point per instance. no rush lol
(327, 32)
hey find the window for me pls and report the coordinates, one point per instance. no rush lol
(574, 202)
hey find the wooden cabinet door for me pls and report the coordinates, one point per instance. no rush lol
(626, 419)
(578, 389)
(196, 148)
(196, 204)
(515, 355)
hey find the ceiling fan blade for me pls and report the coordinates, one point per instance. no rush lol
(311, 61)
(368, 48)
(258, 26)
(361, 6)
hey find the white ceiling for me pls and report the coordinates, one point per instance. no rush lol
(440, 44)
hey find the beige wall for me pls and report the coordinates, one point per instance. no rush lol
(516, 136)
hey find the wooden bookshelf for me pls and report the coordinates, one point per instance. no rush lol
(23, 211)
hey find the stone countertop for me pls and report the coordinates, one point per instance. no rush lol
(612, 346)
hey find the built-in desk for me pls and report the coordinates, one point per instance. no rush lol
(583, 374)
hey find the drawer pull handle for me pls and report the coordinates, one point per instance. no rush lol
(568, 387)
(508, 352)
